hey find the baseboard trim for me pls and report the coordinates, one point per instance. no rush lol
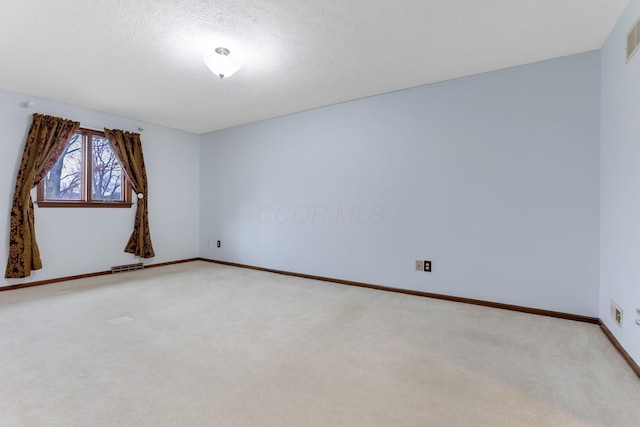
(164, 264)
(529, 310)
(84, 276)
(50, 281)
(618, 346)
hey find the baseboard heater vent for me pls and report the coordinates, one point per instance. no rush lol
(128, 267)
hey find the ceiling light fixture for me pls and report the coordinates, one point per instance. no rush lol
(221, 64)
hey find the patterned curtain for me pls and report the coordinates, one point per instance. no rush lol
(128, 148)
(46, 141)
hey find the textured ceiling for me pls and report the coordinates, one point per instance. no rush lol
(143, 58)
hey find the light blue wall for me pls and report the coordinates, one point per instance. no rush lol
(495, 178)
(620, 183)
(80, 241)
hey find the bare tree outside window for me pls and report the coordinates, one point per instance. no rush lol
(107, 174)
(64, 181)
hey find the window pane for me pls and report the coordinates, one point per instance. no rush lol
(107, 174)
(64, 181)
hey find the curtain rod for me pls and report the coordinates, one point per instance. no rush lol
(140, 129)
(32, 104)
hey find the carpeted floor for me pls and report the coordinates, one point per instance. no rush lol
(200, 344)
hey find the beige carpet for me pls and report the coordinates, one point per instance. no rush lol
(201, 344)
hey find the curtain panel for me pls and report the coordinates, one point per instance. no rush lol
(128, 148)
(46, 140)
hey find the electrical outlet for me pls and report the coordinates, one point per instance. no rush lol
(616, 313)
(218, 243)
(423, 266)
(638, 316)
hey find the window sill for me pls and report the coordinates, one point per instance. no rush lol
(84, 204)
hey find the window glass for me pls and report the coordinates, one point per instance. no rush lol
(64, 181)
(107, 174)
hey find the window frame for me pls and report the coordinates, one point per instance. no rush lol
(87, 176)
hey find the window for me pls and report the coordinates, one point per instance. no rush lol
(88, 174)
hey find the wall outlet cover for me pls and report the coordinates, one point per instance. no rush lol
(616, 313)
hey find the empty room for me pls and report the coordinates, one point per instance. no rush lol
(330, 213)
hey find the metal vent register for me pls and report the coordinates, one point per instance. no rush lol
(127, 267)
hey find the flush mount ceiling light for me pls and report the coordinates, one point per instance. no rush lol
(221, 64)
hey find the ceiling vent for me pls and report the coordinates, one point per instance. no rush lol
(633, 40)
